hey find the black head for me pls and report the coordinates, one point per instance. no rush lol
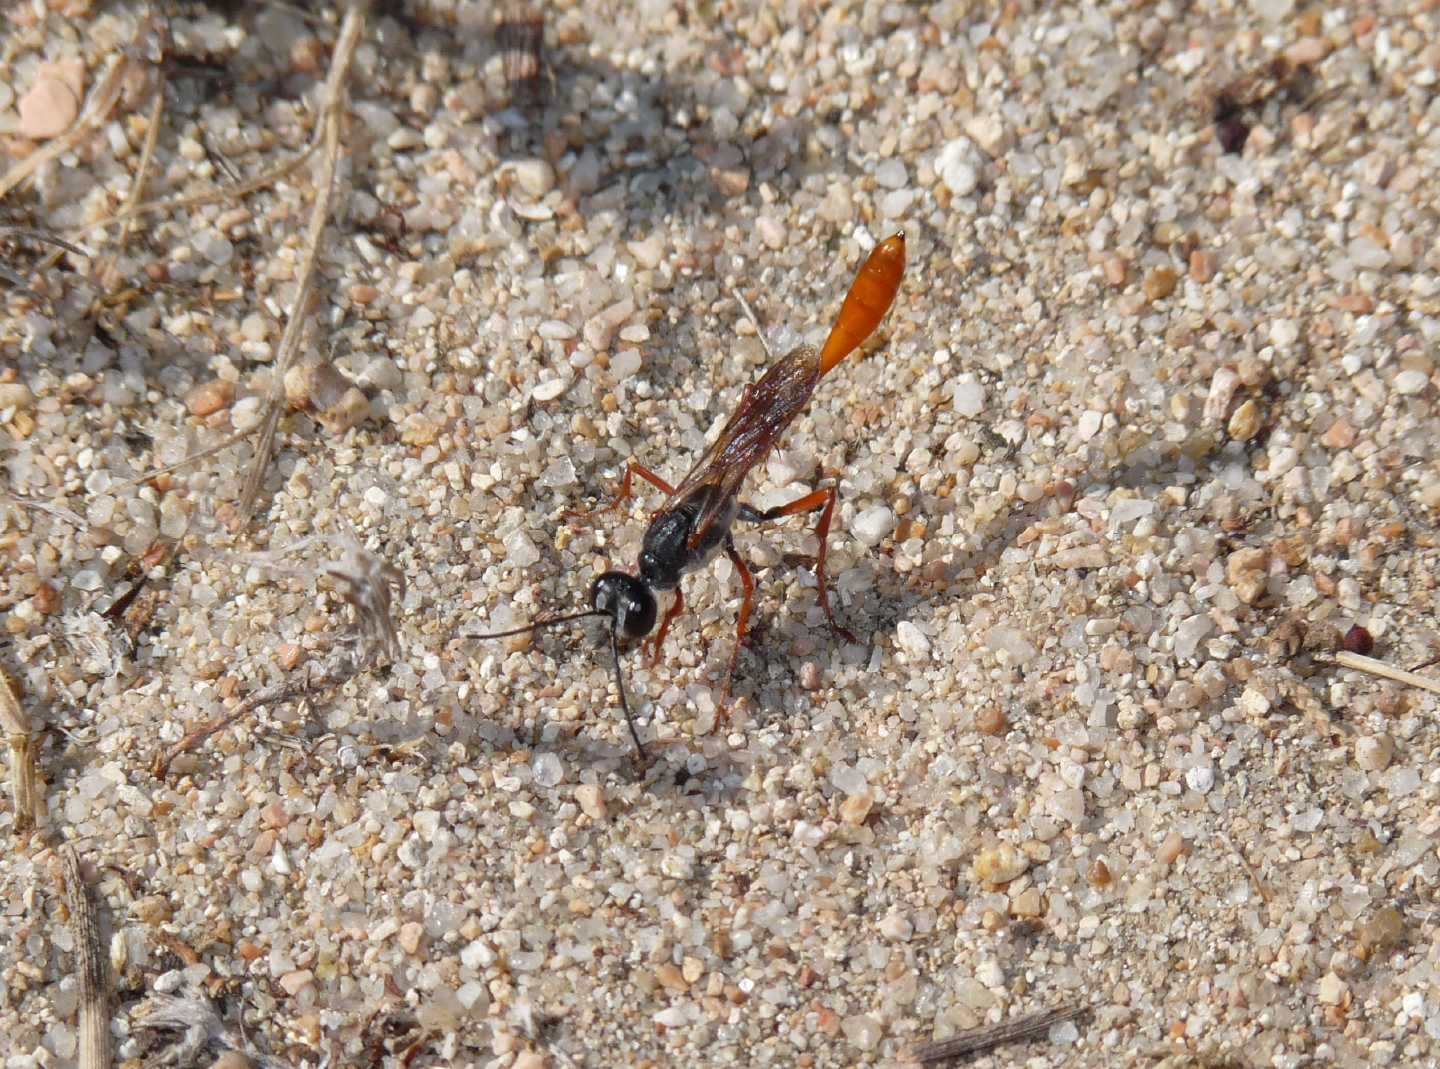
(627, 601)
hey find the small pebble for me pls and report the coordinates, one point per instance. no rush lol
(48, 108)
(873, 525)
(296, 981)
(533, 177)
(891, 174)
(956, 165)
(207, 398)
(1027, 903)
(1246, 421)
(1160, 283)
(591, 801)
(999, 865)
(1332, 989)
(1382, 930)
(1358, 640)
(1202, 265)
(1339, 435)
(1373, 753)
(1200, 778)
(1170, 849)
(1409, 383)
(15, 395)
(911, 639)
(896, 927)
(991, 721)
(855, 810)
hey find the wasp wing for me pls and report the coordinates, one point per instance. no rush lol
(765, 410)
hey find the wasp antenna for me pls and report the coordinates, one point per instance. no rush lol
(538, 624)
(624, 701)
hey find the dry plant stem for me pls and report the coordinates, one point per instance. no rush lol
(22, 757)
(97, 108)
(210, 196)
(1361, 663)
(182, 462)
(90, 959)
(340, 668)
(1260, 886)
(50, 510)
(329, 135)
(981, 1040)
(137, 185)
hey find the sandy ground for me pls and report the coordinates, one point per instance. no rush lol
(1150, 428)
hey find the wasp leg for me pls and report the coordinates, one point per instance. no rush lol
(632, 469)
(742, 622)
(676, 607)
(824, 501)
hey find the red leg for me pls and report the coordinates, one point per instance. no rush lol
(675, 609)
(824, 500)
(742, 623)
(632, 469)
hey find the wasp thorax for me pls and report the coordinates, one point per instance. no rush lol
(627, 601)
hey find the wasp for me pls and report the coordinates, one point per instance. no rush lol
(694, 524)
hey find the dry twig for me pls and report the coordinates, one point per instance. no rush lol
(982, 1040)
(137, 184)
(58, 511)
(336, 671)
(22, 757)
(329, 130)
(1375, 667)
(90, 961)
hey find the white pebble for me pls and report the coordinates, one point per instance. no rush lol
(1284, 332)
(215, 247)
(771, 231)
(1373, 752)
(1409, 383)
(382, 373)
(911, 639)
(600, 328)
(991, 974)
(555, 330)
(247, 414)
(535, 177)
(862, 1030)
(872, 525)
(896, 927)
(548, 770)
(892, 174)
(1223, 385)
(560, 473)
(969, 396)
(520, 551)
(1273, 10)
(624, 364)
(477, 955)
(1069, 805)
(956, 166)
(426, 823)
(1200, 778)
(1189, 634)
(550, 389)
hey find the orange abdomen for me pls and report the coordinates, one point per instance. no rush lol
(867, 302)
